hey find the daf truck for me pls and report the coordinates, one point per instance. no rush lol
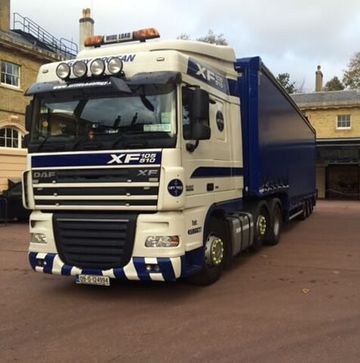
(159, 160)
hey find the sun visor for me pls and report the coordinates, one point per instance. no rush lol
(101, 84)
(155, 78)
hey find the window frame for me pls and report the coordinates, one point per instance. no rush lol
(18, 76)
(343, 127)
(20, 138)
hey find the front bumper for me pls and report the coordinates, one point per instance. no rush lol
(169, 268)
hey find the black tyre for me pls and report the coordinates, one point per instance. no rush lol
(306, 211)
(215, 250)
(273, 236)
(262, 223)
(311, 204)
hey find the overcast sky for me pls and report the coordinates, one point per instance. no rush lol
(292, 36)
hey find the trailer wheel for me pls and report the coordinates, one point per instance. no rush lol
(306, 210)
(262, 223)
(311, 204)
(273, 236)
(215, 250)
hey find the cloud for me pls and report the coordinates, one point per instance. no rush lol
(292, 36)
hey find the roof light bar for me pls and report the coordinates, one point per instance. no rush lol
(139, 35)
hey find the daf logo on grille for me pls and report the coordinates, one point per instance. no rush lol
(44, 174)
(147, 173)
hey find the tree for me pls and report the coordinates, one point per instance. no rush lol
(334, 85)
(183, 36)
(352, 74)
(213, 38)
(210, 37)
(284, 80)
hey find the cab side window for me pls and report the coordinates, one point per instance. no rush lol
(186, 105)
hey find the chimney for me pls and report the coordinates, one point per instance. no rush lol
(86, 26)
(318, 80)
(5, 15)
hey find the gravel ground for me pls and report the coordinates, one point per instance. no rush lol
(295, 302)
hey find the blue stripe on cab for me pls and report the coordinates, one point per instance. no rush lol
(216, 172)
(32, 259)
(66, 270)
(139, 263)
(49, 262)
(166, 268)
(97, 159)
(119, 274)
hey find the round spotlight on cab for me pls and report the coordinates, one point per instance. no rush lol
(97, 67)
(63, 71)
(115, 65)
(79, 69)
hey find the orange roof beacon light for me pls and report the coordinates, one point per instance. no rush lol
(139, 35)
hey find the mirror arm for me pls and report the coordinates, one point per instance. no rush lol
(192, 147)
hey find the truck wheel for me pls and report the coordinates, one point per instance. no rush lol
(273, 237)
(305, 211)
(311, 204)
(214, 255)
(262, 225)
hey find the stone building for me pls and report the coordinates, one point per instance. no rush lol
(336, 117)
(23, 49)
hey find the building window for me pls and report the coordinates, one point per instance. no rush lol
(12, 138)
(343, 122)
(10, 74)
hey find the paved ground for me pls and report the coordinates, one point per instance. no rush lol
(296, 302)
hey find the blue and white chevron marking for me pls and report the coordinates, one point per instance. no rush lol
(169, 268)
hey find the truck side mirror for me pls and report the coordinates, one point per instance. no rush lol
(28, 116)
(200, 129)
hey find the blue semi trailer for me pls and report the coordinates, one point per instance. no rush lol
(160, 160)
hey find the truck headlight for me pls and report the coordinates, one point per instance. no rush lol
(162, 241)
(38, 238)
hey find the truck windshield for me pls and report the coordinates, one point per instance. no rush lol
(145, 118)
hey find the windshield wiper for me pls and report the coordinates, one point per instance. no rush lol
(46, 138)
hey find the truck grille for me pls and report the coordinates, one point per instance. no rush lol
(104, 188)
(101, 241)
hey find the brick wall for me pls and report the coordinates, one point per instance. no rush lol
(13, 104)
(324, 121)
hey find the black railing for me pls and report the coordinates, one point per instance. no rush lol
(26, 26)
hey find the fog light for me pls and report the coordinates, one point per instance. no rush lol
(115, 65)
(162, 241)
(79, 69)
(40, 262)
(63, 70)
(97, 67)
(152, 268)
(38, 238)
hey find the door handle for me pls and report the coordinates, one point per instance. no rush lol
(210, 187)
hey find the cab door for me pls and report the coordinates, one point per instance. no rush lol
(206, 162)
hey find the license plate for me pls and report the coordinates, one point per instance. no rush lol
(93, 280)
